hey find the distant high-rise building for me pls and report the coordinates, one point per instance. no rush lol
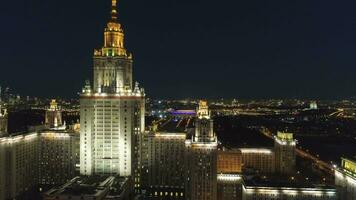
(54, 116)
(345, 179)
(201, 158)
(112, 111)
(3, 117)
(313, 105)
(3, 121)
(284, 145)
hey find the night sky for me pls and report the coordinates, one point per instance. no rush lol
(186, 48)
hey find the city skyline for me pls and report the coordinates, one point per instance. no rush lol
(115, 142)
(245, 49)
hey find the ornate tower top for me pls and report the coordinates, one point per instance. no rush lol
(53, 105)
(284, 138)
(204, 132)
(203, 110)
(112, 63)
(113, 37)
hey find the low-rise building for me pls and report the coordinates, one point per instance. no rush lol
(229, 161)
(267, 189)
(261, 159)
(92, 188)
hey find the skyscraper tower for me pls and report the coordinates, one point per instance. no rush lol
(112, 111)
(201, 155)
(284, 145)
(3, 118)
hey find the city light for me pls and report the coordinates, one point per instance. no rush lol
(254, 150)
(229, 177)
(109, 140)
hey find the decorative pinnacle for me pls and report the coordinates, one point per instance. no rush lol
(114, 10)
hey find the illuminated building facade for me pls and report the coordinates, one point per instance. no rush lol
(345, 179)
(22, 163)
(313, 105)
(53, 117)
(229, 161)
(112, 111)
(164, 166)
(3, 172)
(3, 120)
(229, 186)
(57, 157)
(201, 155)
(284, 145)
(35, 159)
(260, 159)
(3, 124)
(252, 191)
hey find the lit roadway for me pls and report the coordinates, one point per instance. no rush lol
(337, 113)
(322, 165)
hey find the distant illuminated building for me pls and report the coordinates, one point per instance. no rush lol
(201, 155)
(313, 105)
(229, 161)
(234, 102)
(259, 159)
(345, 179)
(3, 120)
(54, 116)
(164, 164)
(3, 117)
(112, 111)
(285, 154)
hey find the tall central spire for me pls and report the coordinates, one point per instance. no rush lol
(113, 37)
(113, 10)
